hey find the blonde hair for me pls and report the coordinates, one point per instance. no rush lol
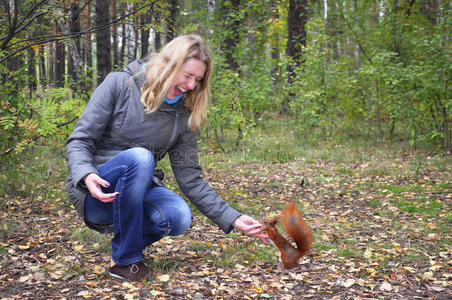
(161, 69)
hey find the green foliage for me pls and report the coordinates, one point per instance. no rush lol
(45, 115)
(238, 103)
(396, 88)
(28, 120)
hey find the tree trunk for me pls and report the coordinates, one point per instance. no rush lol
(145, 20)
(42, 68)
(86, 48)
(114, 29)
(51, 63)
(232, 39)
(66, 27)
(171, 21)
(103, 40)
(429, 9)
(275, 54)
(75, 66)
(298, 17)
(60, 63)
(157, 38)
(31, 70)
(130, 37)
(123, 40)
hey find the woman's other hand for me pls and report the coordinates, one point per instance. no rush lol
(250, 227)
(94, 183)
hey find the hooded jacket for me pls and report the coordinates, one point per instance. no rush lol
(114, 120)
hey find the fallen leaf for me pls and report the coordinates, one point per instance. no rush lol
(349, 282)
(24, 278)
(84, 294)
(410, 269)
(386, 286)
(433, 237)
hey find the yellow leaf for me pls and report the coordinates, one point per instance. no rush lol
(78, 248)
(432, 226)
(371, 271)
(98, 269)
(164, 278)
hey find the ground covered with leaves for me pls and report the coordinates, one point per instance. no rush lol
(381, 231)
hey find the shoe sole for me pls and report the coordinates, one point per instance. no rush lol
(115, 275)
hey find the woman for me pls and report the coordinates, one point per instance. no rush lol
(133, 119)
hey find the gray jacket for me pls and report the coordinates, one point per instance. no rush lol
(114, 120)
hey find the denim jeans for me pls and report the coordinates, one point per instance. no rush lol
(143, 212)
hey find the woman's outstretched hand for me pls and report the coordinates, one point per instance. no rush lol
(94, 182)
(251, 227)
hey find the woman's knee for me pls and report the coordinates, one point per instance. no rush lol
(180, 219)
(141, 156)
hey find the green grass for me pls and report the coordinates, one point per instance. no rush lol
(374, 203)
(419, 205)
(92, 240)
(347, 253)
(39, 171)
(401, 189)
(243, 253)
(323, 246)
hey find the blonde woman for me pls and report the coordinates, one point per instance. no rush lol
(133, 119)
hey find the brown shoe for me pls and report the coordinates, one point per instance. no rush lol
(134, 272)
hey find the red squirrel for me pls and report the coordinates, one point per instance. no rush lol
(297, 228)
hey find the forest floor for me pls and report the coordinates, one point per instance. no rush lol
(381, 231)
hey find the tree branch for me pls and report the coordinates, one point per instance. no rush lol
(47, 39)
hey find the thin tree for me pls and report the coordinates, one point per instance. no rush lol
(86, 46)
(157, 36)
(114, 29)
(103, 40)
(74, 22)
(171, 21)
(231, 24)
(146, 19)
(296, 40)
(60, 63)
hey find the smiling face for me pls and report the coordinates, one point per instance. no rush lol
(188, 77)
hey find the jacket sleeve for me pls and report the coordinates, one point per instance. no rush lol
(81, 145)
(184, 162)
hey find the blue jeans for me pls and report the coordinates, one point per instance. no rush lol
(143, 212)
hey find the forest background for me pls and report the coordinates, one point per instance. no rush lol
(289, 75)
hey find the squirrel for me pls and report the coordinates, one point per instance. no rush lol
(297, 228)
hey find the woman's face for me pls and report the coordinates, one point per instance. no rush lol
(188, 77)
